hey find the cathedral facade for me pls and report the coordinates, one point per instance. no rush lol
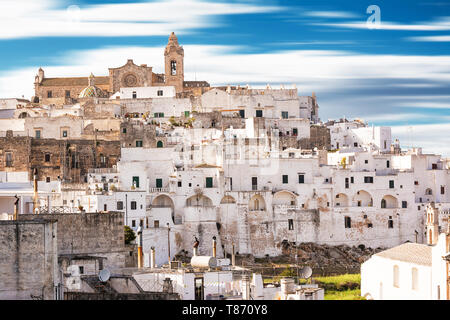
(68, 90)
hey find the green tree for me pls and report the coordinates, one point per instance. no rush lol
(129, 235)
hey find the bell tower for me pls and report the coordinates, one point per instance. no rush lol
(174, 63)
(432, 224)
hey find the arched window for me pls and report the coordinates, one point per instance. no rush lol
(173, 68)
(159, 144)
(396, 277)
(415, 278)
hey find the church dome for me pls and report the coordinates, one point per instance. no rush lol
(91, 90)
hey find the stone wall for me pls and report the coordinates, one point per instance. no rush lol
(319, 138)
(19, 148)
(95, 234)
(28, 263)
(132, 131)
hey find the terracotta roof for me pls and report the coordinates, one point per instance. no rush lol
(80, 81)
(409, 252)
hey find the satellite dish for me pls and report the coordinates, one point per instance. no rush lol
(305, 272)
(104, 275)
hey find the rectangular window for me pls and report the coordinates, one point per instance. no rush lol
(387, 164)
(133, 206)
(179, 184)
(346, 183)
(64, 133)
(37, 134)
(390, 224)
(442, 190)
(352, 180)
(254, 183)
(134, 95)
(138, 143)
(242, 113)
(49, 94)
(391, 184)
(156, 224)
(355, 144)
(366, 161)
(105, 207)
(285, 178)
(159, 183)
(209, 182)
(160, 93)
(301, 178)
(119, 205)
(404, 204)
(81, 270)
(368, 179)
(259, 113)
(47, 179)
(133, 223)
(124, 130)
(67, 93)
(291, 224)
(348, 222)
(294, 132)
(186, 114)
(136, 182)
(9, 159)
(434, 166)
(284, 114)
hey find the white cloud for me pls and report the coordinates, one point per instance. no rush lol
(430, 137)
(424, 104)
(430, 39)
(46, 17)
(330, 14)
(442, 24)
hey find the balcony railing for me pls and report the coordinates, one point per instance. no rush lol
(155, 190)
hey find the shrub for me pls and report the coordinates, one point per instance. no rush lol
(129, 234)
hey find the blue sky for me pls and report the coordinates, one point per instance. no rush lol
(397, 74)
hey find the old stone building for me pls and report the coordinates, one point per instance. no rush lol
(67, 90)
(65, 160)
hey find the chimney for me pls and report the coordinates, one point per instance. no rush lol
(233, 256)
(152, 257)
(195, 247)
(35, 188)
(245, 287)
(16, 207)
(140, 257)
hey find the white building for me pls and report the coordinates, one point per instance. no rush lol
(411, 271)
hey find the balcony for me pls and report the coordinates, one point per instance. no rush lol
(157, 190)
